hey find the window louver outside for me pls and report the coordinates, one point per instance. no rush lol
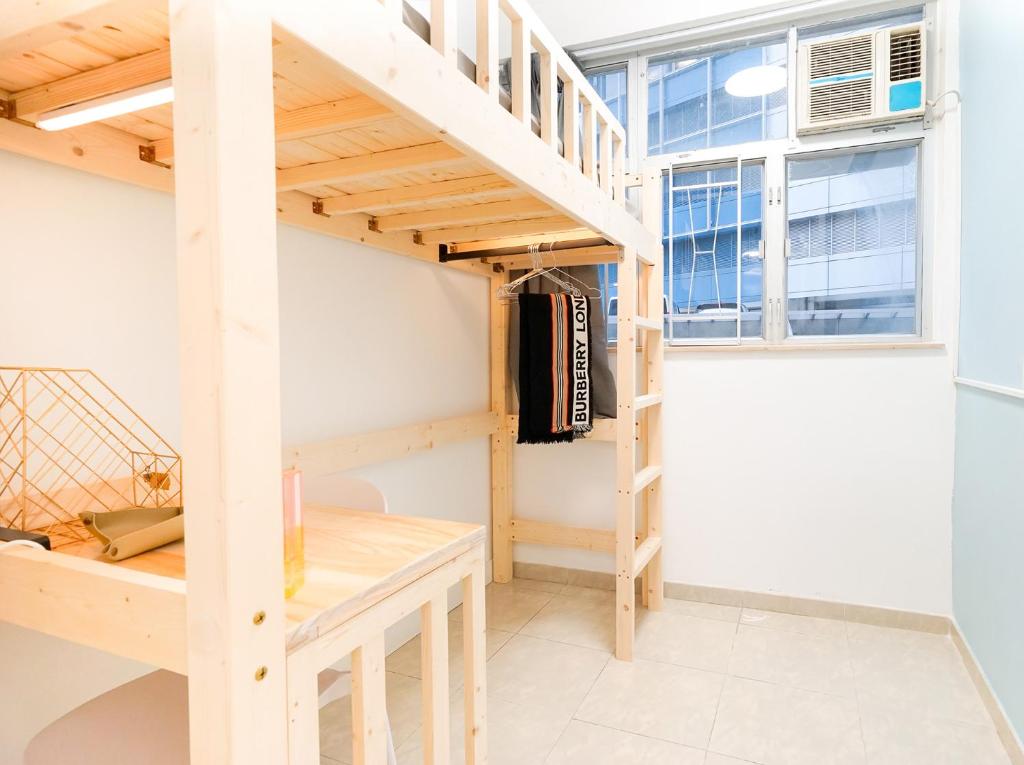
(853, 54)
(840, 99)
(905, 55)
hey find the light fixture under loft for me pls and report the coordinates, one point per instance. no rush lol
(756, 81)
(114, 105)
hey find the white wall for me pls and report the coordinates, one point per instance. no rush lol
(89, 274)
(814, 474)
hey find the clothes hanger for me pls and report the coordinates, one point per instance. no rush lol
(508, 291)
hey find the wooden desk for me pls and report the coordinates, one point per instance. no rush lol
(364, 572)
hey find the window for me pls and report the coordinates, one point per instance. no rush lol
(689, 108)
(611, 84)
(710, 282)
(852, 223)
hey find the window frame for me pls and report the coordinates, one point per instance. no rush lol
(775, 155)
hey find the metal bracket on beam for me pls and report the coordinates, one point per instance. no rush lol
(443, 255)
(147, 153)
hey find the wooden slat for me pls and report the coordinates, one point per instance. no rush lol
(650, 324)
(434, 671)
(580, 256)
(497, 230)
(548, 99)
(625, 460)
(539, 532)
(645, 401)
(95, 83)
(644, 552)
(367, 165)
(349, 452)
(487, 26)
(444, 33)
(515, 209)
(570, 120)
(474, 650)
(604, 428)
(369, 714)
(128, 613)
(605, 161)
(522, 79)
(27, 25)
(524, 241)
(348, 113)
(589, 141)
(479, 186)
(645, 477)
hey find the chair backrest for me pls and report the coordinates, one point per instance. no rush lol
(353, 493)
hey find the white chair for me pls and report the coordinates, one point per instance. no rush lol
(146, 720)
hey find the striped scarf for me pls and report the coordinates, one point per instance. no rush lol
(554, 368)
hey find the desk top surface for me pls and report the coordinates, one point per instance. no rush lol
(353, 560)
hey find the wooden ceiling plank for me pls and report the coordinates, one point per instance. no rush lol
(395, 160)
(523, 241)
(498, 230)
(95, 83)
(488, 212)
(354, 112)
(387, 199)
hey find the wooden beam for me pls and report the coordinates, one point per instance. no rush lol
(128, 613)
(501, 450)
(401, 160)
(230, 379)
(514, 209)
(401, 196)
(523, 241)
(367, 48)
(28, 25)
(348, 113)
(348, 452)
(95, 83)
(581, 256)
(604, 428)
(538, 532)
(498, 230)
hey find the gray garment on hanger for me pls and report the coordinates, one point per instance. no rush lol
(601, 379)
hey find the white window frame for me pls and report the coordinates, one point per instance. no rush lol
(775, 154)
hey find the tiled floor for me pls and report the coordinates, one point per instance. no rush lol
(710, 685)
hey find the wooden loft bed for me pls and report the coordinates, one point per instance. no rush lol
(355, 127)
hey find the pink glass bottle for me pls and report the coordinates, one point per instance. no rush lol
(294, 558)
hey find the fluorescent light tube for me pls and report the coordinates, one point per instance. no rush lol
(104, 108)
(756, 81)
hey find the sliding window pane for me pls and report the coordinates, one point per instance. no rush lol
(689, 106)
(710, 280)
(853, 255)
(611, 84)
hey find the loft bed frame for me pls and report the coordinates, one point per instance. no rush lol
(360, 125)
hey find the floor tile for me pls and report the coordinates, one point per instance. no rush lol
(685, 640)
(652, 699)
(510, 606)
(517, 734)
(703, 610)
(802, 625)
(541, 673)
(776, 725)
(913, 673)
(584, 621)
(586, 744)
(539, 584)
(588, 593)
(892, 739)
(788, 658)
(406, 660)
(404, 714)
(721, 759)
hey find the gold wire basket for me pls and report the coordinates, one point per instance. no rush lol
(69, 443)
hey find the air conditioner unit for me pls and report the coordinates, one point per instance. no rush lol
(863, 79)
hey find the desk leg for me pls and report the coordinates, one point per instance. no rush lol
(474, 623)
(369, 711)
(434, 661)
(303, 712)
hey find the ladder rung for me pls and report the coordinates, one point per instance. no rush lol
(651, 325)
(648, 399)
(644, 478)
(644, 259)
(644, 552)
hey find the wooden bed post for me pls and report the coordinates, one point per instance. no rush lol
(231, 414)
(625, 461)
(501, 452)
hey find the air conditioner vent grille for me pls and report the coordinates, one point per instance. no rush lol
(847, 56)
(841, 99)
(905, 55)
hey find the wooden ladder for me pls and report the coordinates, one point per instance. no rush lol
(638, 550)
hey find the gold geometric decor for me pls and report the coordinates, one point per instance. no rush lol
(68, 444)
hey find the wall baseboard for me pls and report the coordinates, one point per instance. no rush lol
(825, 609)
(1007, 735)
